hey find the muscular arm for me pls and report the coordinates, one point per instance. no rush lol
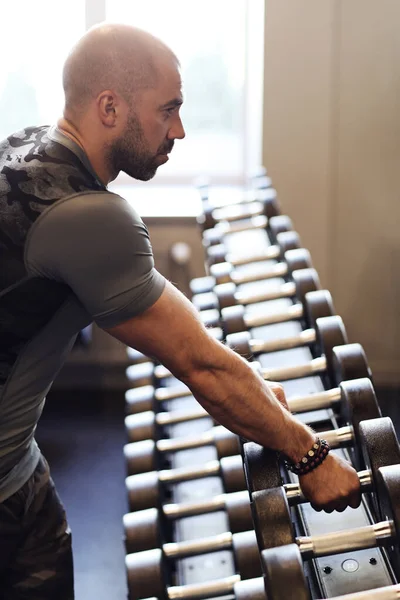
(221, 381)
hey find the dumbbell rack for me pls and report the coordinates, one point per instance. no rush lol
(331, 576)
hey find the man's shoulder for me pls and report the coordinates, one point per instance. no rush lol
(16, 146)
(99, 208)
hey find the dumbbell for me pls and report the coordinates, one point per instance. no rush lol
(297, 265)
(386, 533)
(266, 205)
(243, 343)
(146, 455)
(144, 529)
(314, 306)
(150, 490)
(343, 363)
(351, 400)
(347, 356)
(223, 231)
(228, 261)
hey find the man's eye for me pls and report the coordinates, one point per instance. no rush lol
(171, 110)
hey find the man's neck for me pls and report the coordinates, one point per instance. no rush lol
(93, 153)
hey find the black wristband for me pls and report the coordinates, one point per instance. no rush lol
(310, 461)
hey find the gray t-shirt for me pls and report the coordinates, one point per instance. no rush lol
(94, 242)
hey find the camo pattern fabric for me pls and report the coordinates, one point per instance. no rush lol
(35, 542)
(35, 172)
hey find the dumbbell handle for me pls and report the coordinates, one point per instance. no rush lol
(223, 541)
(270, 253)
(256, 222)
(236, 212)
(190, 509)
(285, 290)
(194, 441)
(293, 492)
(390, 592)
(348, 540)
(170, 393)
(208, 589)
(313, 367)
(293, 312)
(280, 269)
(304, 338)
(178, 475)
(164, 419)
(161, 372)
(314, 401)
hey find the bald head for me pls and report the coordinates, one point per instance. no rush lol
(121, 58)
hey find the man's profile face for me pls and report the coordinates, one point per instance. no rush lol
(152, 125)
(132, 154)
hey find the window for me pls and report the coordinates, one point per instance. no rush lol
(35, 38)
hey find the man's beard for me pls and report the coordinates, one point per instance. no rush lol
(130, 153)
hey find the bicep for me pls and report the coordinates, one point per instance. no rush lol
(171, 331)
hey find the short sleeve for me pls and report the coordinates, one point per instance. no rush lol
(97, 244)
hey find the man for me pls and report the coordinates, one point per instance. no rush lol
(73, 253)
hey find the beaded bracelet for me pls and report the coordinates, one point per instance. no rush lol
(311, 460)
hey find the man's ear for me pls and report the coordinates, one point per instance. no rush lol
(109, 108)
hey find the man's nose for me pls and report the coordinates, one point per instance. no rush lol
(177, 131)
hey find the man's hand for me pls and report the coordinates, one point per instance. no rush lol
(333, 485)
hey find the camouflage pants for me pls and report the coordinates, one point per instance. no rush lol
(35, 543)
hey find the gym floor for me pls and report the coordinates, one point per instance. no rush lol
(82, 436)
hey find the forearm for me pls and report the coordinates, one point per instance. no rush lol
(241, 401)
(221, 381)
